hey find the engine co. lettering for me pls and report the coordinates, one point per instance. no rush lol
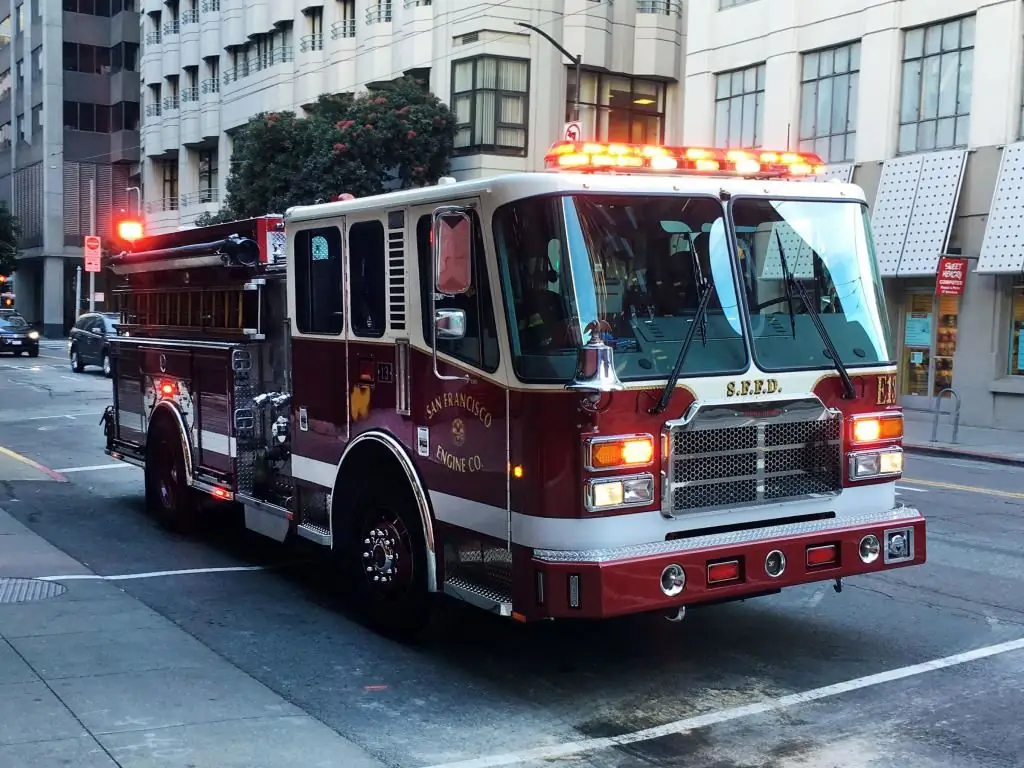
(752, 387)
(465, 402)
(458, 463)
(885, 390)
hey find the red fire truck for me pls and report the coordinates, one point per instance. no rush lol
(646, 379)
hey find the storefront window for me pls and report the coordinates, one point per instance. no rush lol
(929, 343)
(618, 108)
(1017, 332)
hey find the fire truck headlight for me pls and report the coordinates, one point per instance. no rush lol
(606, 453)
(620, 492)
(886, 463)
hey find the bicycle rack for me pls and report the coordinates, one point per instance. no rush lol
(954, 417)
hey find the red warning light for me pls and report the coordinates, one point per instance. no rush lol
(129, 230)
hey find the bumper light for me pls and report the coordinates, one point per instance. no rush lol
(884, 463)
(869, 548)
(673, 580)
(620, 492)
(775, 564)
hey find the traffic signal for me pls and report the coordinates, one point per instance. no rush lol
(3, 279)
(7, 301)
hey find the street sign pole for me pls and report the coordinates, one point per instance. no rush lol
(78, 291)
(92, 231)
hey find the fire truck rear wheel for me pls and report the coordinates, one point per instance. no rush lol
(384, 560)
(168, 495)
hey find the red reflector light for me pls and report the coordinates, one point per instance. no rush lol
(823, 555)
(596, 156)
(721, 572)
(167, 390)
(220, 493)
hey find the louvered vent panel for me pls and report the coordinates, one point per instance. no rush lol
(28, 204)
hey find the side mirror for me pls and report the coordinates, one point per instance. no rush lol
(453, 247)
(449, 324)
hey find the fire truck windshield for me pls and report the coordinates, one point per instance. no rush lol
(826, 247)
(636, 264)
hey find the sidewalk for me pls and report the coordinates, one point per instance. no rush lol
(1002, 446)
(91, 677)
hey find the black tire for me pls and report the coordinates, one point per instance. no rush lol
(379, 517)
(18, 353)
(107, 370)
(168, 496)
(76, 362)
(34, 353)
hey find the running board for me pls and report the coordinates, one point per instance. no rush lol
(315, 533)
(491, 600)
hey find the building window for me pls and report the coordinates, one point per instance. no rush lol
(739, 107)
(82, 116)
(490, 97)
(5, 135)
(1016, 367)
(209, 176)
(935, 101)
(618, 107)
(828, 102)
(319, 297)
(723, 4)
(5, 31)
(5, 84)
(37, 119)
(367, 278)
(169, 172)
(104, 8)
(124, 116)
(124, 57)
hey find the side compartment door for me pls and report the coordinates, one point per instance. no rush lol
(213, 407)
(460, 396)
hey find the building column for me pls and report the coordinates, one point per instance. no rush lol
(53, 297)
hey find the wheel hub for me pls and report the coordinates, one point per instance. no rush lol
(382, 552)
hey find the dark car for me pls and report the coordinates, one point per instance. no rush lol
(89, 342)
(17, 336)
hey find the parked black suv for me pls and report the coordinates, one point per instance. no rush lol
(89, 341)
(16, 335)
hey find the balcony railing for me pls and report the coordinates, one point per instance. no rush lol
(210, 5)
(154, 38)
(190, 16)
(210, 85)
(201, 197)
(343, 29)
(279, 55)
(172, 28)
(660, 7)
(379, 12)
(153, 110)
(309, 43)
(162, 205)
(189, 94)
(417, 3)
(171, 103)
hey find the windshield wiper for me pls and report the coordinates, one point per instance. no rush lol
(707, 290)
(792, 284)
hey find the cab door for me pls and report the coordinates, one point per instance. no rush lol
(460, 387)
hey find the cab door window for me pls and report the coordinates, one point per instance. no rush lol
(479, 347)
(367, 266)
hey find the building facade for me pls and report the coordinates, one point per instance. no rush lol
(209, 65)
(920, 103)
(69, 123)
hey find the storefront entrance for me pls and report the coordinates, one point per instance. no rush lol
(928, 346)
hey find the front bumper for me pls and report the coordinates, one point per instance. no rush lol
(8, 345)
(625, 580)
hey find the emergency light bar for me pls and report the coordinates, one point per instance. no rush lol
(590, 156)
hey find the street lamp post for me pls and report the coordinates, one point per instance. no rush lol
(577, 60)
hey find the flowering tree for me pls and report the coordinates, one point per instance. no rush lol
(358, 145)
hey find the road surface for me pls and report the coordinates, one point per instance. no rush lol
(805, 678)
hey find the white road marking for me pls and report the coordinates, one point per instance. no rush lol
(736, 713)
(908, 488)
(151, 574)
(94, 468)
(816, 598)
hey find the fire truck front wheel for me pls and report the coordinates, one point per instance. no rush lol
(384, 559)
(168, 495)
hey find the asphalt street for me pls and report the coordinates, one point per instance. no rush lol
(805, 678)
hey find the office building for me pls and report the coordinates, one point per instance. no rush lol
(69, 115)
(920, 103)
(209, 65)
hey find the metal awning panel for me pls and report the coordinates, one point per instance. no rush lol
(934, 210)
(1002, 249)
(894, 204)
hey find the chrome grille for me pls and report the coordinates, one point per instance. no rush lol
(727, 456)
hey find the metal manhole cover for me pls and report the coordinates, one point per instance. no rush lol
(27, 590)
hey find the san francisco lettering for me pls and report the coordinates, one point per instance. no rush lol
(752, 387)
(467, 403)
(458, 463)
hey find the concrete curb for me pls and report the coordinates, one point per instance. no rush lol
(962, 453)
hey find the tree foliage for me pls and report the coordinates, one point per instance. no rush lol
(400, 135)
(9, 233)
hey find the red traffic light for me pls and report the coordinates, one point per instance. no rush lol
(129, 230)
(3, 279)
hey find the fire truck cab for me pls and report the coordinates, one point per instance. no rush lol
(647, 379)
